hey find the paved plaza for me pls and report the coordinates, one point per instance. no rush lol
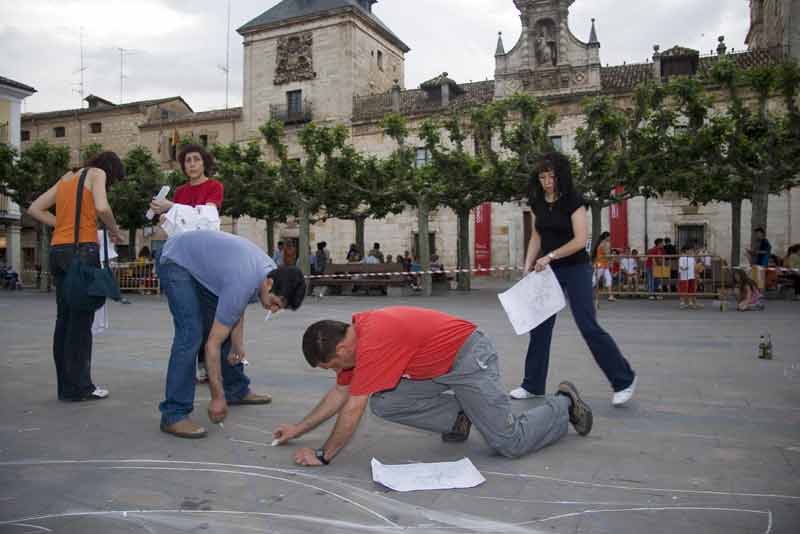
(710, 443)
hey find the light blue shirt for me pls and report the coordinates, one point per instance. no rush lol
(230, 267)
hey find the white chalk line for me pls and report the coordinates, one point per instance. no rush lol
(260, 475)
(125, 513)
(459, 523)
(248, 442)
(28, 525)
(659, 509)
(301, 473)
(634, 488)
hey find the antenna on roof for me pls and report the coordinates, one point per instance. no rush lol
(227, 68)
(122, 53)
(81, 70)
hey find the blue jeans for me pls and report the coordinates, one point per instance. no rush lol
(576, 280)
(193, 308)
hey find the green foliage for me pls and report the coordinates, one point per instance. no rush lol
(242, 173)
(130, 197)
(36, 170)
(90, 151)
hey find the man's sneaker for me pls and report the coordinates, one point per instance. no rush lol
(185, 428)
(522, 393)
(202, 374)
(460, 430)
(623, 396)
(580, 415)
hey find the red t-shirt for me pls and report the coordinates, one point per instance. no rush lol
(209, 192)
(402, 342)
(655, 251)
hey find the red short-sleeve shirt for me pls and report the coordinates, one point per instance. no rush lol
(402, 342)
(209, 192)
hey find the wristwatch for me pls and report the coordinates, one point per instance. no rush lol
(320, 454)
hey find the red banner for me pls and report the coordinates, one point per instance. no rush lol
(618, 222)
(483, 237)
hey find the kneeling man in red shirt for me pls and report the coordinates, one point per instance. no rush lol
(401, 360)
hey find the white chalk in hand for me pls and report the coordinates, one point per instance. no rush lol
(162, 194)
(275, 442)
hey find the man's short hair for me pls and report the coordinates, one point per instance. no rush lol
(659, 241)
(376, 246)
(288, 282)
(759, 229)
(320, 340)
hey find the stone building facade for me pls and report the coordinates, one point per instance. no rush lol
(334, 61)
(774, 23)
(12, 93)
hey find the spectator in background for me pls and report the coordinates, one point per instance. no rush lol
(686, 278)
(600, 256)
(792, 261)
(407, 261)
(653, 265)
(321, 258)
(376, 252)
(748, 295)
(615, 268)
(630, 270)
(289, 254)
(760, 256)
(353, 255)
(670, 250)
(278, 256)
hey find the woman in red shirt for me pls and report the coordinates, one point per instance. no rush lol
(196, 164)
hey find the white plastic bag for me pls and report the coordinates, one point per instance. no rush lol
(182, 218)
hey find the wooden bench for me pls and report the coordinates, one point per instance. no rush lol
(349, 277)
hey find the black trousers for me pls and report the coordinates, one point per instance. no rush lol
(72, 339)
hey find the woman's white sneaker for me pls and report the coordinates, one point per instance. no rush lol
(623, 396)
(522, 393)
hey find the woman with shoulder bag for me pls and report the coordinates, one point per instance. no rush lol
(558, 239)
(72, 339)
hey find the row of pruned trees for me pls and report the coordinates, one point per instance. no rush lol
(710, 140)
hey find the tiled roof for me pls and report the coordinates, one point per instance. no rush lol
(201, 116)
(627, 77)
(418, 101)
(291, 9)
(16, 85)
(83, 111)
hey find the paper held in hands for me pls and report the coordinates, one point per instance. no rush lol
(533, 300)
(427, 476)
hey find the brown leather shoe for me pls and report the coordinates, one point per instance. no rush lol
(252, 398)
(185, 428)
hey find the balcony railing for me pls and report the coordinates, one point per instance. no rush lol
(293, 115)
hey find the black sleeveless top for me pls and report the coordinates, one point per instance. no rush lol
(554, 225)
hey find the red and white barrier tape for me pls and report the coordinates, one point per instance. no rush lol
(414, 273)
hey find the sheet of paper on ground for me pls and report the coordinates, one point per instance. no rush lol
(533, 300)
(427, 476)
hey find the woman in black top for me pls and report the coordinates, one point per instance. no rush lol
(559, 240)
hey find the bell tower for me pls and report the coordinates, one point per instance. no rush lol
(548, 59)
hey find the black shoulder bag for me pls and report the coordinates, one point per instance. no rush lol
(86, 287)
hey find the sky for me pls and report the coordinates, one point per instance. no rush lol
(178, 47)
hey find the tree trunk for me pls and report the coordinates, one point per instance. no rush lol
(132, 244)
(597, 222)
(424, 248)
(235, 225)
(464, 279)
(360, 221)
(760, 203)
(270, 237)
(305, 238)
(736, 232)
